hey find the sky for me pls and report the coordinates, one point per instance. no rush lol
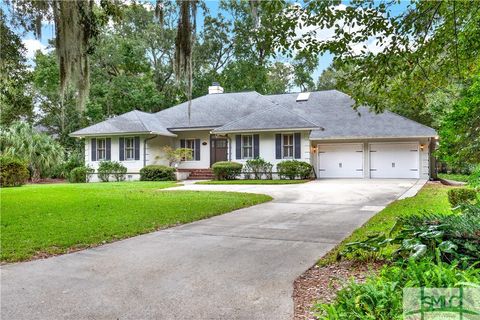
(32, 44)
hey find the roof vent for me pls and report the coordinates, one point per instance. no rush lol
(215, 88)
(303, 96)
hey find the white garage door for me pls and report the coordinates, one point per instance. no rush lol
(394, 160)
(340, 160)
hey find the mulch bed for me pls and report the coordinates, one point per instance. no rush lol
(322, 284)
(48, 181)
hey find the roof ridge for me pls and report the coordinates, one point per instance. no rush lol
(293, 112)
(143, 124)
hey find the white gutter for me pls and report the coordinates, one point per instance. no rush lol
(121, 134)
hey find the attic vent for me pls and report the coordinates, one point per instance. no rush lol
(303, 96)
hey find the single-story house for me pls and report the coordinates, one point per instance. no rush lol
(320, 128)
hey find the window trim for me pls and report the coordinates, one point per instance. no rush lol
(125, 158)
(104, 149)
(292, 145)
(193, 149)
(250, 146)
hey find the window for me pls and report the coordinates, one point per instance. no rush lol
(287, 141)
(247, 147)
(129, 147)
(190, 144)
(101, 149)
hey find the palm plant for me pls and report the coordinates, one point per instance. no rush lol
(39, 150)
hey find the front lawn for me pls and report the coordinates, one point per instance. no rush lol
(41, 220)
(432, 198)
(454, 176)
(247, 181)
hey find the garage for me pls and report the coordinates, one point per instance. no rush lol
(343, 160)
(394, 160)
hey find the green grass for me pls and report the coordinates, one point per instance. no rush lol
(432, 198)
(454, 176)
(253, 182)
(39, 220)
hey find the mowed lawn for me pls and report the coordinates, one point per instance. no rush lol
(431, 198)
(40, 220)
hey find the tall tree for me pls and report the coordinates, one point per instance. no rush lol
(15, 97)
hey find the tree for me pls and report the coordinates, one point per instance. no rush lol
(15, 100)
(39, 150)
(460, 129)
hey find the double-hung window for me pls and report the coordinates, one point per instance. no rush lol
(287, 148)
(101, 149)
(247, 147)
(129, 148)
(190, 144)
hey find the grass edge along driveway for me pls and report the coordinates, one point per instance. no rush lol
(252, 181)
(431, 198)
(43, 220)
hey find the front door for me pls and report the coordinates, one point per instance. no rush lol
(219, 150)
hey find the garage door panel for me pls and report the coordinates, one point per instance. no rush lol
(395, 160)
(340, 161)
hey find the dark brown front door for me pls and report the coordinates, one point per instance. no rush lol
(219, 150)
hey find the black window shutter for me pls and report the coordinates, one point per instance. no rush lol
(121, 146)
(278, 146)
(108, 141)
(182, 143)
(297, 144)
(238, 146)
(197, 149)
(256, 146)
(137, 148)
(94, 149)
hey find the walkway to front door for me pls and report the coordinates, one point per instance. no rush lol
(219, 150)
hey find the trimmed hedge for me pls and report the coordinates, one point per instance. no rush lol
(80, 174)
(226, 170)
(114, 168)
(293, 169)
(157, 173)
(13, 172)
(461, 195)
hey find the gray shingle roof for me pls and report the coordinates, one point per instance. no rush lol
(130, 122)
(215, 110)
(276, 117)
(332, 110)
(249, 111)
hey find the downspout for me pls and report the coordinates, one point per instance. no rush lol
(145, 149)
(229, 147)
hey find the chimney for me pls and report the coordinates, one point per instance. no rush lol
(215, 88)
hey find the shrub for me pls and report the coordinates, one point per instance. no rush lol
(293, 169)
(157, 173)
(451, 237)
(80, 174)
(258, 167)
(13, 172)
(114, 168)
(226, 170)
(461, 195)
(381, 296)
(474, 178)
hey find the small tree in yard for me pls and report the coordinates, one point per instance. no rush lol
(174, 156)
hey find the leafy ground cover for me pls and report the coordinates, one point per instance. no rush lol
(278, 181)
(42, 220)
(454, 177)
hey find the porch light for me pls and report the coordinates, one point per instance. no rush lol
(314, 149)
(422, 146)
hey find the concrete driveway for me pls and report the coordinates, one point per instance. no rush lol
(240, 265)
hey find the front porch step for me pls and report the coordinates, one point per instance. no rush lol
(199, 174)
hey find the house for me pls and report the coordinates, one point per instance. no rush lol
(320, 127)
